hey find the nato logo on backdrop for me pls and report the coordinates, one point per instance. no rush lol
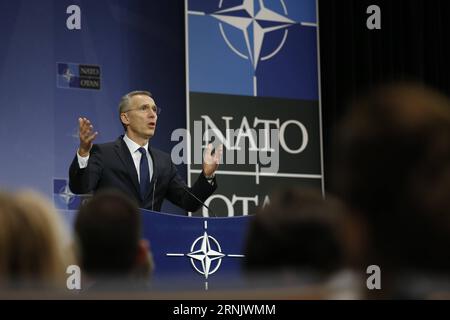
(63, 198)
(78, 76)
(264, 48)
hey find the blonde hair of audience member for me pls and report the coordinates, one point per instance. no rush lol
(34, 247)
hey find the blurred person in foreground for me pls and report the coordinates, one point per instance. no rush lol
(35, 249)
(113, 254)
(302, 238)
(393, 169)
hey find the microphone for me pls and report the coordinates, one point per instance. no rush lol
(193, 195)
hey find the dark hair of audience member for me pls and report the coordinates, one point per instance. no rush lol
(108, 228)
(300, 232)
(393, 167)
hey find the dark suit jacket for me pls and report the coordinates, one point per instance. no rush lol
(111, 166)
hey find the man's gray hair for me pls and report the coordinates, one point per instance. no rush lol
(124, 104)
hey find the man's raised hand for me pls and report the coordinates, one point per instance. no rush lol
(87, 136)
(211, 161)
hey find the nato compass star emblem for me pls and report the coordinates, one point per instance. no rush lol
(66, 195)
(256, 22)
(205, 255)
(68, 75)
(254, 25)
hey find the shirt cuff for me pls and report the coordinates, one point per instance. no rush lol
(210, 179)
(82, 161)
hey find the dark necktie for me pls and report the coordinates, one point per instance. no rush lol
(144, 173)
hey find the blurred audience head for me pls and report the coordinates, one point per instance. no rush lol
(35, 249)
(300, 232)
(108, 228)
(393, 167)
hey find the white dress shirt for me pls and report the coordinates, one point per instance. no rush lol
(135, 154)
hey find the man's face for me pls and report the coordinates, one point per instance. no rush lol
(141, 117)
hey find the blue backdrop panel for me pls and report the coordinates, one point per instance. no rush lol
(136, 44)
(220, 62)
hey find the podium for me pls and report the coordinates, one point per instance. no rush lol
(198, 251)
(195, 248)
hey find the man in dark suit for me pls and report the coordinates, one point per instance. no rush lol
(130, 165)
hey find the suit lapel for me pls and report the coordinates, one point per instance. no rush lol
(127, 161)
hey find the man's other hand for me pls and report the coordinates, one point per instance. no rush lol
(211, 161)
